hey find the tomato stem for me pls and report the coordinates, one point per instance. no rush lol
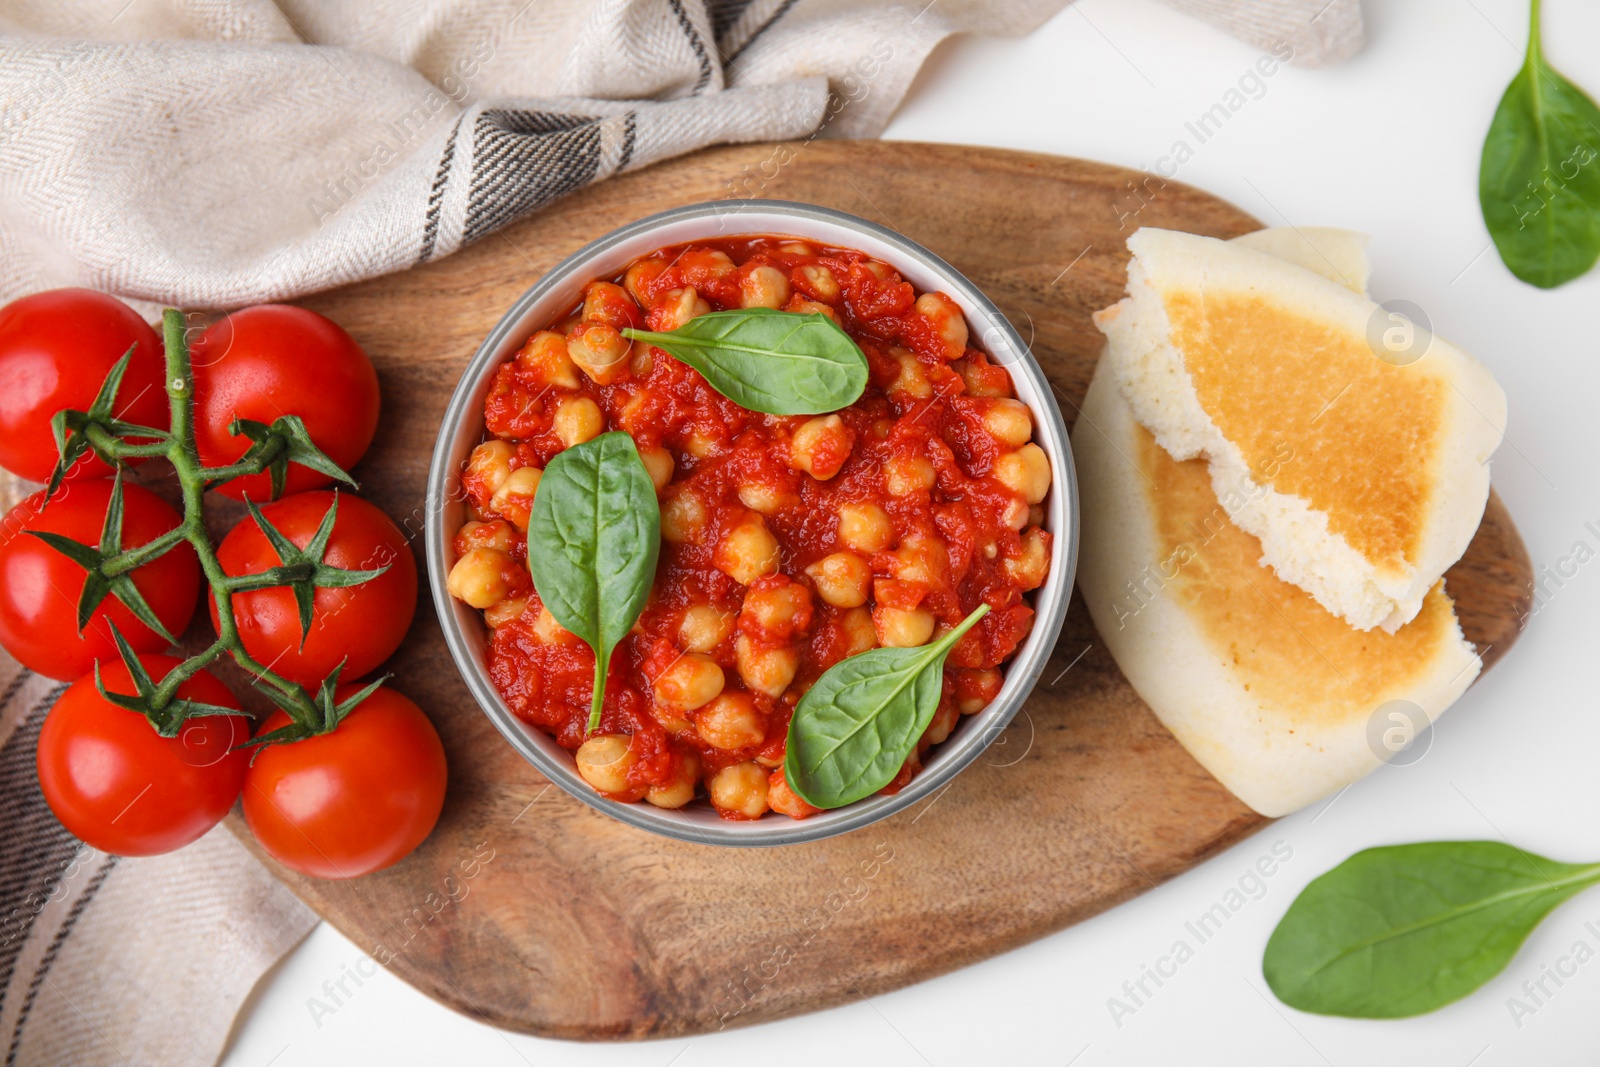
(181, 451)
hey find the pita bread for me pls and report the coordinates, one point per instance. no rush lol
(1363, 477)
(1281, 701)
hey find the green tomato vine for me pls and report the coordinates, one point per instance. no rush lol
(109, 566)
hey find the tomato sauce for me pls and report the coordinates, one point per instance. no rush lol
(922, 499)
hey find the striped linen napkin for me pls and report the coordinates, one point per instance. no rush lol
(217, 153)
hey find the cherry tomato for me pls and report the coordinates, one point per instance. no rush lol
(350, 802)
(123, 788)
(363, 622)
(274, 360)
(39, 587)
(55, 350)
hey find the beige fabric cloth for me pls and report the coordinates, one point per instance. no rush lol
(213, 153)
(198, 153)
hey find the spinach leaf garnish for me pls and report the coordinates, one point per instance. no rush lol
(778, 362)
(854, 728)
(593, 541)
(1539, 179)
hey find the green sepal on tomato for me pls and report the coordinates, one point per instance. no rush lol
(41, 588)
(120, 786)
(261, 363)
(351, 801)
(56, 349)
(356, 624)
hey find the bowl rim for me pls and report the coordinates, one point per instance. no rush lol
(1050, 601)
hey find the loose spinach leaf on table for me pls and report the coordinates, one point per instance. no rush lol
(854, 728)
(593, 541)
(1539, 179)
(779, 362)
(1405, 929)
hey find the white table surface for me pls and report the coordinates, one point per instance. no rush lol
(1387, 143)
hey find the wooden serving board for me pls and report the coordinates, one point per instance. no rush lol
(531, 911)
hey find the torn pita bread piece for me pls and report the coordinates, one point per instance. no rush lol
(1358, 460)
(1280, 700)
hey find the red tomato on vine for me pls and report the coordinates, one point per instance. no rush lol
(360, 625)
(353, 801)
(40, 587)
(119, 785)
(55, 350)
(272, 360)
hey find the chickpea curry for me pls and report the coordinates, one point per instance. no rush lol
(789, 543)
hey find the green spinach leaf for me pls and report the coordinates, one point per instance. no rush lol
(1539, 179)
(1405, 929)
(854, 728)
(593, 540)
(779, 362)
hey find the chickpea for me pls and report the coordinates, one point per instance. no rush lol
(703, 265)
(778, 610)
(683, 515)
(905, 475)
(678, 306)
(497, 534)
(766, 499)
(740, 790)
(983, 379)
(902, 629)
(479, 577)
(700, 444)
(820, 446)
(1014, 515)
(641, 278)
(786, 801)
(764, 287)
(503, 611)
(609, 303)
(947, 320)
(600, 351)
(641, 361)
(547, 362)
(860, 633)
(731, 722)
(692, 681)
(842, 579)
(748, 551)
(1025, 472)
(491, 462)
(680, 790)
(820, 282)
(801, 306)
(675, 723)
(1028, 569)
(942, 724)
(912, 380)
(550, 632)
(924, 560)
(797, 248)
(976, 690)
(514, 498)
(658, 463)
(878, 270)
(577, 420)
(605, 760)
(864, 527)
(1009, 422)
(704, 627)
(766, 670)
